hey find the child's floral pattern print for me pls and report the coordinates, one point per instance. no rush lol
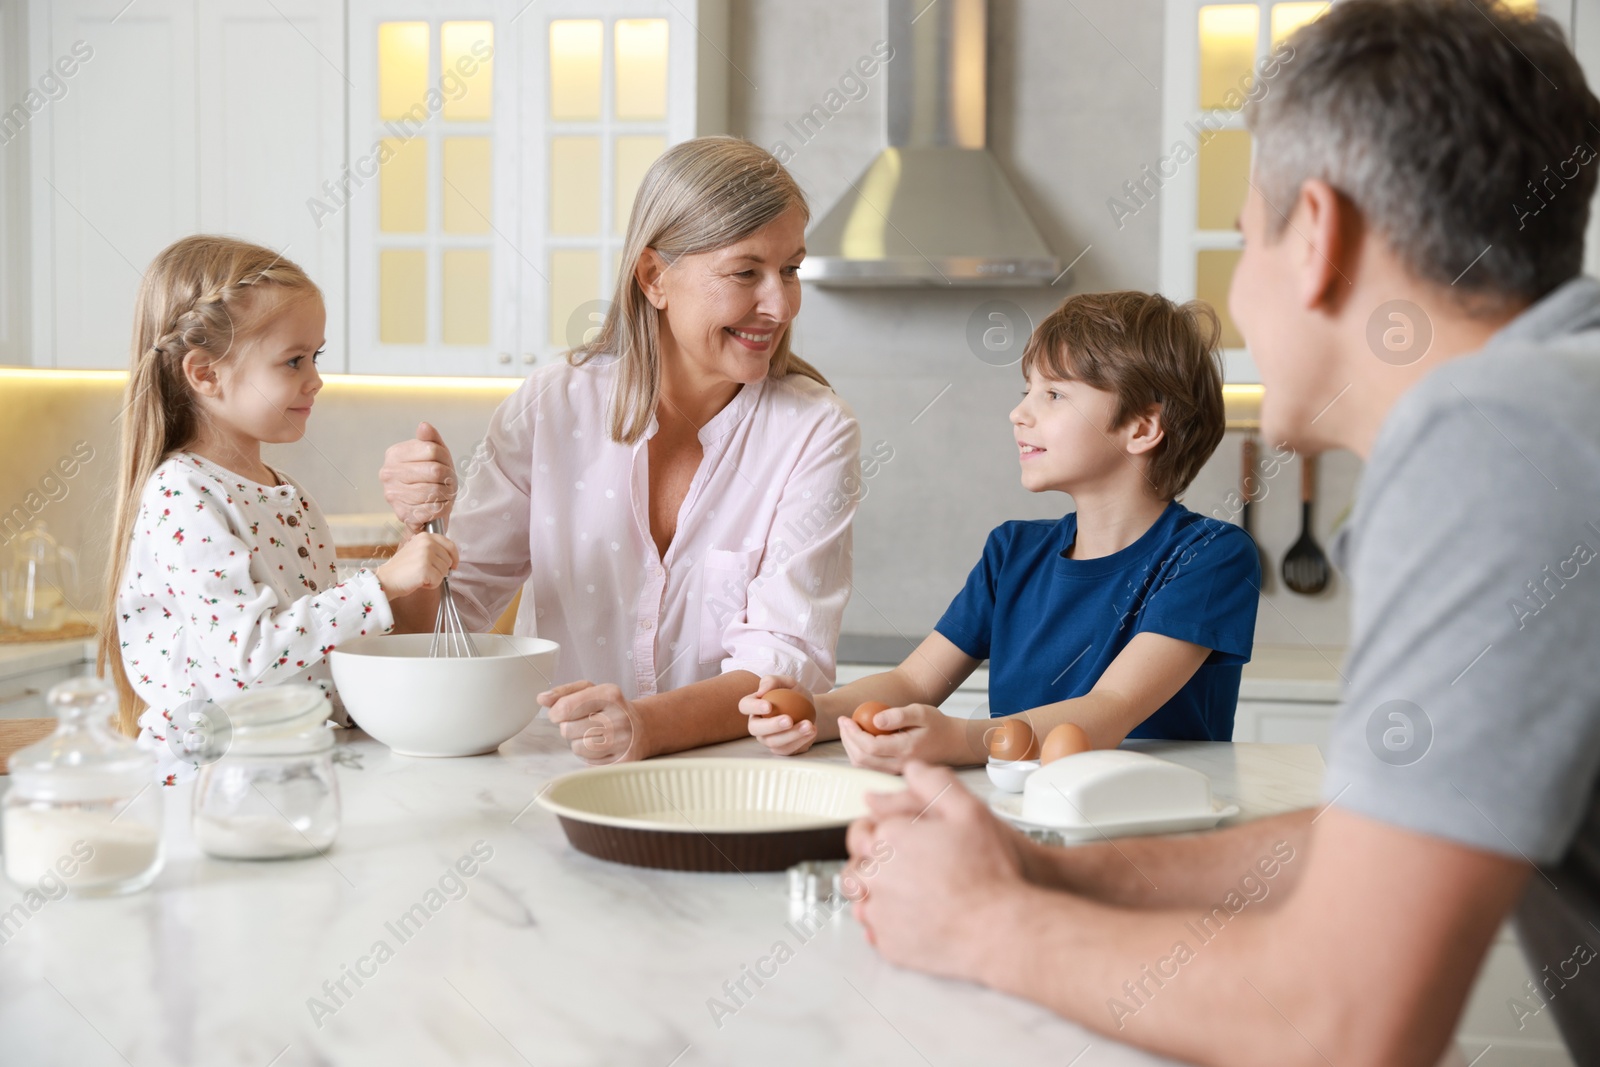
(230, 585)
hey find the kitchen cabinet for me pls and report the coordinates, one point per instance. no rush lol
(1284, 722)
(456, 224)
(131, 154)
(500, 152)
(270, 116)
(113, 173)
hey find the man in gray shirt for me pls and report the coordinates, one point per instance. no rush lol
(1410, 289)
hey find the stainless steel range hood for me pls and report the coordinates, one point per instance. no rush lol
(934, 207)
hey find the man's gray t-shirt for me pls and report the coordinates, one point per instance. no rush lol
(1472, 701)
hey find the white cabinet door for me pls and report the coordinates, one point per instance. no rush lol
(114, 166)
(432, 198)
(607, 86)
(271, 133)
(1284, 722)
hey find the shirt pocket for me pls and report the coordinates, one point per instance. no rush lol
(724, 591)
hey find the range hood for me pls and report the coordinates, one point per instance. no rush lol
(934, 207)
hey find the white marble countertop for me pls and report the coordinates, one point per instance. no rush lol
(549, 956)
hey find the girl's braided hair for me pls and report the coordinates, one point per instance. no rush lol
(203, 293)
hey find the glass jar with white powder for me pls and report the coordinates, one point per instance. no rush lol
(84, 808)
(272, 794)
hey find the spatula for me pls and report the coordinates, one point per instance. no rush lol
(1305, 567)
(1249, 482)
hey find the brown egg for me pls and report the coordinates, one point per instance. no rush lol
(790, 703)
(1013, 740)
(1068, 739)
(864, 714)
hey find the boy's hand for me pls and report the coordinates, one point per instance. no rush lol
(419, 478)
(921, 732)
(778, 732)
(421, 563)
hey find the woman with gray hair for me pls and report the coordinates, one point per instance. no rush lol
(674, 500)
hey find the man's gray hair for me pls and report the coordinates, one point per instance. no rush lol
(1464, 134)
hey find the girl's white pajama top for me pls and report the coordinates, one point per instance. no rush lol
(230, 585)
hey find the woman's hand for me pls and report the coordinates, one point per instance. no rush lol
(921, 732)
(421, 563)
(419, 479)
(779, 733)
(600, 724)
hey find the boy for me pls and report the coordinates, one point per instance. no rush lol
(1130, 616)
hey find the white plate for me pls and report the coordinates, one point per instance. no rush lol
(1009, 807)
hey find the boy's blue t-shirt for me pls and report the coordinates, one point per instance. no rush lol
(1050, 625)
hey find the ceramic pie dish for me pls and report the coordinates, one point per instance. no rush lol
(700, 814)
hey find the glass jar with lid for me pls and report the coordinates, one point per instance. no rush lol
(84, 808)
(267, 788)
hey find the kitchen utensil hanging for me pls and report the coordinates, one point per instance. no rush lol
(1305, 566)
(1249, 486)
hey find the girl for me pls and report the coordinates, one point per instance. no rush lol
(222, 576)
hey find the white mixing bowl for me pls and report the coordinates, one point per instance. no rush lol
(421, 706)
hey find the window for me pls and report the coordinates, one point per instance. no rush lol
(494, 153)
(604, 122)
(1215, 52)
(434, 180)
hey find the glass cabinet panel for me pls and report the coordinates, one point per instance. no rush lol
(1224, 179)
(575, 56)
(403, 187)
(402, 67)
(634, 154)
(402, 296)
(466, 59)
(641, 66)
(575, 185)
(1213, 273)
(1228, 34)
(1286, 18)
(574, 280)
(467, 184)
(466, 296)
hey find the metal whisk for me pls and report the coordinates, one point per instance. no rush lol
(450, 636)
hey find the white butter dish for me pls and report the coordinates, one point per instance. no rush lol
(1112, 792)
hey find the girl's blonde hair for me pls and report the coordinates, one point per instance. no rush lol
(698, 196)
(196, 295)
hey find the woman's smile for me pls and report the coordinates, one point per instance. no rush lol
(756, 341)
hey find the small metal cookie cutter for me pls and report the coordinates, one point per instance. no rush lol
(816, 882)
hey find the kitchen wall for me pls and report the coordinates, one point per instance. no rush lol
(1074, 111)
(1072, 115)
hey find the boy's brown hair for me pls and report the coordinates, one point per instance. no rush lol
(1147, 352)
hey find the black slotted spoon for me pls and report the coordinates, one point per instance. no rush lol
(1305, 566)
(1249, 485)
